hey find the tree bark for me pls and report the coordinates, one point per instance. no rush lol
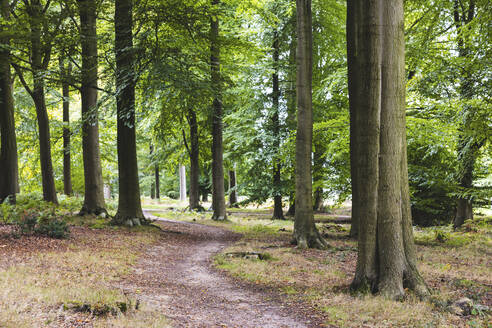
(8, 144)
(94, 187)
(194, 162)
(354, 69)
(318, 172)
(305, 232)
(182, 183)
(157, 182)
(232, 188)
(65, 73)
(278, 212)
(152, 184)
(291, 99)
(39, 65)
(129, 206)
(218, 193)
(468, 147)
(386, 261)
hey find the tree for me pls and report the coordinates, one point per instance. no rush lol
(65, 72)
(386, 261)
(40, 44)
(194, 153)
(468, 145)
(94, 186)
(278, 212)
(218, 194)
(9, 183)
(305, 232)
(129, 206)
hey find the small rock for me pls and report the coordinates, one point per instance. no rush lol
(464, 304)
(129, 223)
(102, 215)
(456, 310)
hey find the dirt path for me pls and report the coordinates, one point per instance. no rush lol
(177, 277)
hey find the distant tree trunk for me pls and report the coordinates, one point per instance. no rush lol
(468, 146)
(8, 146)
(182, 183)
(157, 182)
(194, 161)
(318, 172)
(232, 189)
(354, 68)
(152, 184)
(129, 206)
(386, 255)
(94, 187)
(305, 232)
(292, 205)
(278, 212)
(65, 73)
(39, 65)
(218, 194)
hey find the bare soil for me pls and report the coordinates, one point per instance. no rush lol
(177, 276)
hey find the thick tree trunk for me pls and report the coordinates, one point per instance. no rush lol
(232, 189)
(278, 212)
(194, 162)
(305, 232)
(386, 255)
(94, 186)
(218, 193)
(129, 207)
(65, 73)
(354, 60)
(8, 146)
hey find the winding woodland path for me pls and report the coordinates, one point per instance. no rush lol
(176, 276)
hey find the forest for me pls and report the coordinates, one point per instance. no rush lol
(254, 163)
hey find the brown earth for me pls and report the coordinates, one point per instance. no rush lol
(177, 276)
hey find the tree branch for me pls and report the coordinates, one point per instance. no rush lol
(21, 78)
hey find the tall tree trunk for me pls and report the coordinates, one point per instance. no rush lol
(232, 189)
(48, 180)
(291, 100)
(38, 64)
(194, 162)
(65, 73)
(8, 146)
(94, 187)
(278, 212)
(318, 172)
(218, 194)
(354, 69)
(468, 147)
(152, 184)
(129, 206)
(157, 182)
(305, 232)
(182, 183)
(386, 255)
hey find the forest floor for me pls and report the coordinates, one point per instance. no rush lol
(188, 271)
